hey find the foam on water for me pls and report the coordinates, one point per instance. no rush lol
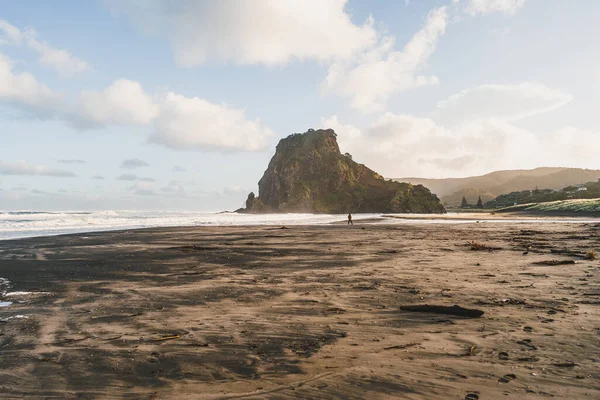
(26, 294)
(14, 317)
(21, 224)
(4, 286)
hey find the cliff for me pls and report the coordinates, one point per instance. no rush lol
(308, 173)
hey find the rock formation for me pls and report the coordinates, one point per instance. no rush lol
(309, 174)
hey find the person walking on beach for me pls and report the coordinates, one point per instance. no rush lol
(350, 219)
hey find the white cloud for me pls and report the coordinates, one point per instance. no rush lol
(176, 121)
(372, 77)
(127, 177)
(130, 178)
(71, 161)
(403, 145)
(191, 123)
(132, 163)
(571, 146)
(123, 102)
(175, 188)
(480, 138)
(23, 90)
(143, 189)
(64, 62)
(501, 32)
(251, 31)
(482, 7)
(11, 35)
(505, 102)
(24, 168)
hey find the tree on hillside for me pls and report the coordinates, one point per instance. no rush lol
(464, 203)
(479, 203)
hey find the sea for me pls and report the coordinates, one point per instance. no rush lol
(23, 224)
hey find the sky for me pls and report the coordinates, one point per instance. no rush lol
(178, 105)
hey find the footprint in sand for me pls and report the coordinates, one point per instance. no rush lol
(472, 396)
(527, 329)
(527, 343)
(528, 359)
(503, 355)
(507, 378)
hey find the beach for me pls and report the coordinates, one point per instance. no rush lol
(308, 312)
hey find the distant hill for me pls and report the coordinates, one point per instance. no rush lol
(472, 195)
(309, 174)
(575, 208)
(451, 190)
(589, 190)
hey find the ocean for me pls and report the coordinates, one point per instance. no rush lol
(22, 224)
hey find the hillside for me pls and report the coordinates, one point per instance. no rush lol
(308, 173)
(472, 195)
(504, 182)
(590, 190)
(577, 207)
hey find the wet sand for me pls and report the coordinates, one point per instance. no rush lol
(304, 312)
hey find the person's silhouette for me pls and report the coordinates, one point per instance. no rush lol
(350, 219)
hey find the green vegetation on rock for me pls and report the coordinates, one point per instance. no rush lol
(309, 174)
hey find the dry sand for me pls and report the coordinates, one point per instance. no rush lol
(304, 312)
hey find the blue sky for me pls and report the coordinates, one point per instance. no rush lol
(200, 92)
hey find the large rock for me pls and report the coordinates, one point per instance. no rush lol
(309, 174)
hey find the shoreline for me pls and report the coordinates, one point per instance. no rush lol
(499, 216)
(550, 214)
(382, 219)
(316, 312)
